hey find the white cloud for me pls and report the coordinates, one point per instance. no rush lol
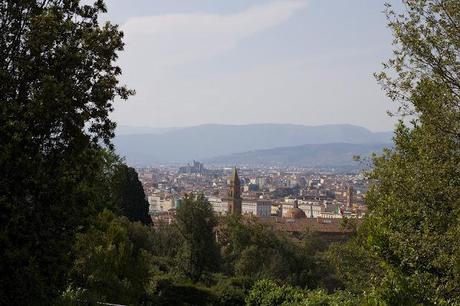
(174, 39)
(184, 74)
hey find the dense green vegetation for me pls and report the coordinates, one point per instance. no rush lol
(57, 84)
(125, 262)
(73, 218)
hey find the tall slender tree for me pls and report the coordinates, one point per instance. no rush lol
(129, 196)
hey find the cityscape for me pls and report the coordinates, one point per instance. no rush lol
(230, 153)
(265, 193)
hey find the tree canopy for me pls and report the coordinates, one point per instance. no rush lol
(195, 222)
(128, 194)
(113, 261)
(58, 82)
(413, 226)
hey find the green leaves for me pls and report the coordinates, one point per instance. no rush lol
(128, 194)
(195, 222)
(426, 56)
(112, 261)
(259, 252)
(58, 82)
(414, 204)
(269, 293)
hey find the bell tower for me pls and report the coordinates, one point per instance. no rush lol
(350, 197)
(234, 194)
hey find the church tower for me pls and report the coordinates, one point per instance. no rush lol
(350, 197)
(234, 194)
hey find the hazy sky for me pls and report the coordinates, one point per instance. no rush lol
(237, 62)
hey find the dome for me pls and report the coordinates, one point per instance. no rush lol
(294, 213)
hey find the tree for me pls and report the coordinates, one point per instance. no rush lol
(424, 74)
(232, 291)
(129, 196)
(269, 293)
(195, 221)
(113, 261)
(414, 207)
(259, 252)
(356, 266)
(167, 291)
(57, 84)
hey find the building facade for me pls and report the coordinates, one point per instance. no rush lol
(257, 207)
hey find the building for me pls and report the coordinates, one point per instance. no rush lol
(160, 203)
(196, 167)
(219, 205)
(234, 194)
(350, 197)
(311, 209)
(294, 212)
(257, 207)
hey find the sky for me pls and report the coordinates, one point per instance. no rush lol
(307, 62)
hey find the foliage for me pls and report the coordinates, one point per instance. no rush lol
(128, 194)
(254, 250)
(269, 293)
(170, 290)
(57, 84)
(167, 240)
(195, 222)
(355, 265)
(113, 261)
(423, 76)
(231, 291)
(349, 224)
(116, 186)
(414, 220)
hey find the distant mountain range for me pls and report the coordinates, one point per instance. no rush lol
(331, 155)
(133, 130)
(215, 142)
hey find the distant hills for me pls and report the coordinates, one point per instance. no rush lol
(331, 155)
(133, 130)
(215, 142)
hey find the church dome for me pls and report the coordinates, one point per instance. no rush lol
(294, 213)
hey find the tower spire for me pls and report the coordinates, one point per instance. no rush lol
(234, 194)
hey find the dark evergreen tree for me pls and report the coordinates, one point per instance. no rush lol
(128, 195)
(57, 84)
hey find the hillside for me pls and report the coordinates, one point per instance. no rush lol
(333, 155)
(208, 141)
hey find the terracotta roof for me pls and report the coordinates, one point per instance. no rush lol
(295, 213)
(321, 225)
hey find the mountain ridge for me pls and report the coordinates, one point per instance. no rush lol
(329, 155)
(212, 140)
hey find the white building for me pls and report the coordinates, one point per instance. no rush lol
(312, 209)
(257, 207)
(160, 203)
(219, 206)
